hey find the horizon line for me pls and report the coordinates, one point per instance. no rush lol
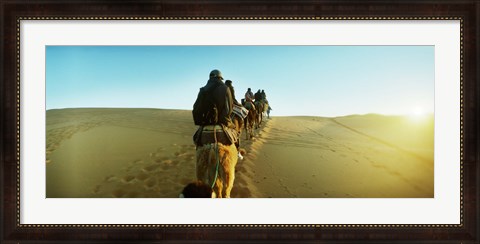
(293, 115)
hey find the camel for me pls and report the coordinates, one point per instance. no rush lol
(262, 107)
(249, 121)
(216, 161)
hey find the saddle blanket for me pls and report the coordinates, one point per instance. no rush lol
(240, 111)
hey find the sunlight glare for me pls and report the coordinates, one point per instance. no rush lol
(417, 111)
(417, 114)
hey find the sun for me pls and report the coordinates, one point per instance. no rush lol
(417, 113)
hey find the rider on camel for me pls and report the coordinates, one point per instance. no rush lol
(225, 129)
(258, 96)
(232, 91)
(249, 99)
(249, 95)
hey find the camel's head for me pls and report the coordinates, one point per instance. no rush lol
(197, 189)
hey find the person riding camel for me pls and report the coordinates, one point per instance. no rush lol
(258, 96)
(232, 91)
(264, 97)
(249, 99)
(214, 126)
(215, 139)
(249, 95)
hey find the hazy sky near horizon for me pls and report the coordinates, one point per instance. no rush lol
(298, 80)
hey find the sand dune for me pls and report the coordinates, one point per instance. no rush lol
(320, 157)
(150, 153)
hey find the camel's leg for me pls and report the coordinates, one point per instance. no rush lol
(230, 178)
(229, 160)
(218, 189)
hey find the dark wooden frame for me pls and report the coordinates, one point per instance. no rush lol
(468, 11)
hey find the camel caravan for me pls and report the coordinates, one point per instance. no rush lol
(220, 119)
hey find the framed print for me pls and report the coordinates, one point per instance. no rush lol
(353, 121)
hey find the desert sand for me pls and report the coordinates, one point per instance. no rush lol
(104, 153)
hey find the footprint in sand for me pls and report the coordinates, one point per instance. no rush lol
(128, 178)
(185, 152)
(188, 147)
(395, 173)
(142, 176)
(110, 178)
(160, 160)
(150, 183)
(182, 155)
(96, 189)
(151, 168)
(378, 166)
(368, 159)
(138, 161)
(166, 167)
(188, 155)
(167, 161)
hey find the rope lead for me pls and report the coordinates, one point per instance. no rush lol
(216, 155)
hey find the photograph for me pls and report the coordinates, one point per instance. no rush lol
(240, 121)
(315, 121)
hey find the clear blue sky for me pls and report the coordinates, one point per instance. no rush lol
(298, 80)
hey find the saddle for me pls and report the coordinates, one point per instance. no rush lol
(209, 134)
